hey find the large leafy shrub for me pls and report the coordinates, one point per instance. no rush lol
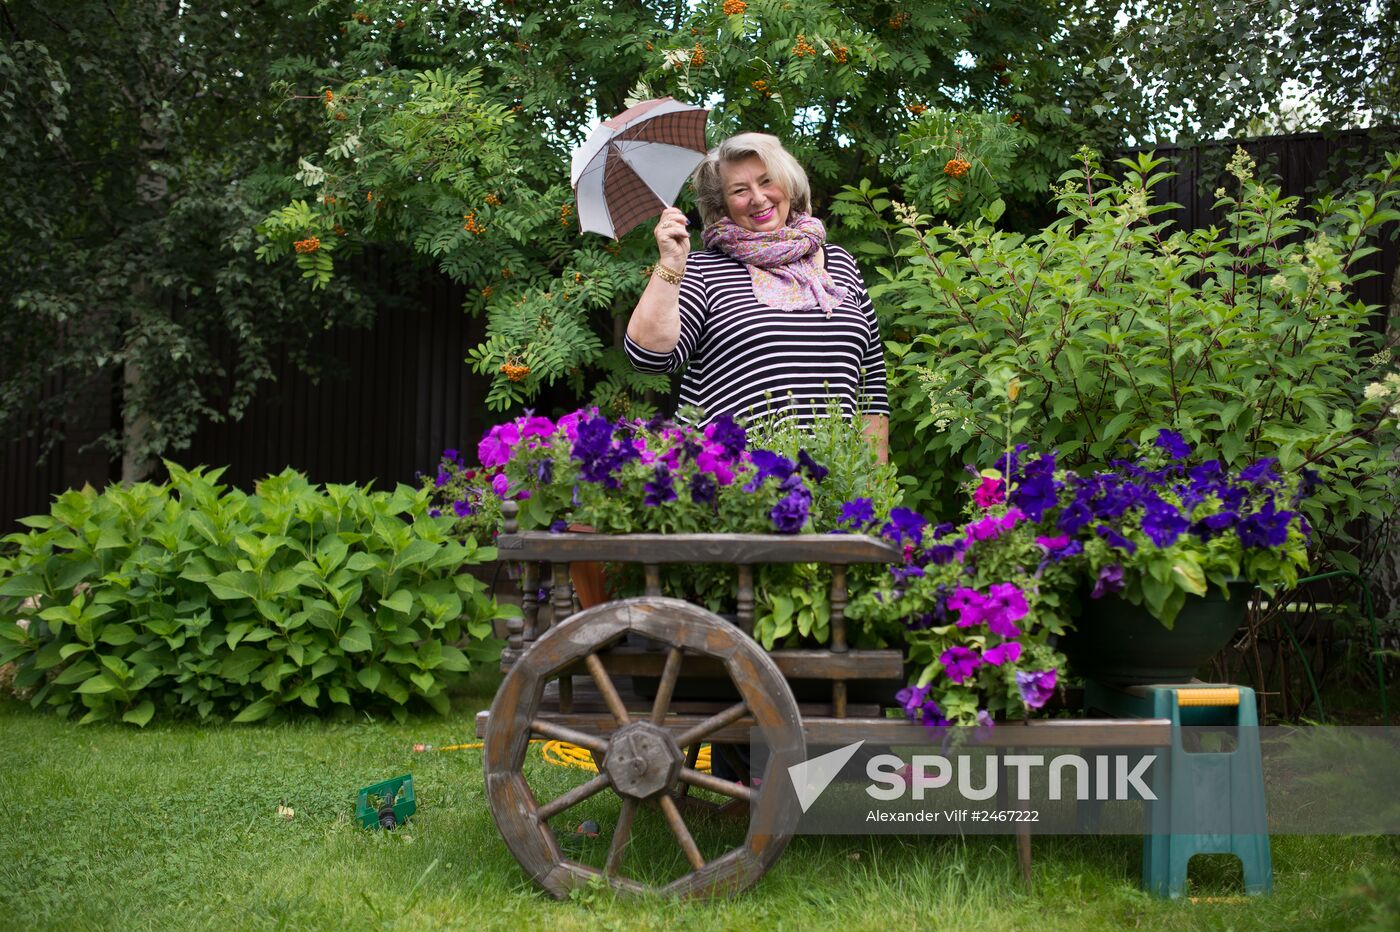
(1110, 325)
(193, 597)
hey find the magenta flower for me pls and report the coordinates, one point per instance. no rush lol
(569, 423)
(959, 662)
(990, 492)
(713, 462)
(969, 605)
(495, 447)
(500, 484)
(532, 426)
(1036, 688)
(1052, 544)
(1005, 604)
(1006, 652)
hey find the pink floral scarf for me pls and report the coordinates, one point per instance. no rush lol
(781, 263)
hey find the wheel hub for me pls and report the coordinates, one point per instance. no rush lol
(643, 760)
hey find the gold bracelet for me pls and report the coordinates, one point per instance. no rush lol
(667, 274)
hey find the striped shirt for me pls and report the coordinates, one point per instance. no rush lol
(752, 360)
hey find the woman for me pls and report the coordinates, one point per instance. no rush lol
(769, 319)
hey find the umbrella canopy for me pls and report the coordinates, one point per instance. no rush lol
(632, 166)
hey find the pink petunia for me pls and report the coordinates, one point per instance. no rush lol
(990, 492)
(1008, 652)
(535, 426)
(495, 447)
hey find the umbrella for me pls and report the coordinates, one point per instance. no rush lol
(632, 166)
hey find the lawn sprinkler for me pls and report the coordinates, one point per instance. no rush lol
(386, 805)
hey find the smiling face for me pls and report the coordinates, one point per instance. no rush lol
(752, 198)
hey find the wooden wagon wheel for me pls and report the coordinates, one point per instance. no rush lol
(644, 760)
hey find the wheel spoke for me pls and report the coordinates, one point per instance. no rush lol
(576, 795)
(714, 723)
(716, 785)
(692, 757)
(667, 686)
(606, 687)
(673, 819)
(542, 726)
(621, 836)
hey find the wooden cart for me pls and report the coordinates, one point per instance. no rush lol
(572, 680)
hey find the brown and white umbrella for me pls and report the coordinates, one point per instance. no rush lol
(633, 165)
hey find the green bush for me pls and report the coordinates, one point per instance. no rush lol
(1110, 325)
(192, 597)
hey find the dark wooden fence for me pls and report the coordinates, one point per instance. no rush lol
(398, 393)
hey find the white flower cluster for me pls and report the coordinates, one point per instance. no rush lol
(1387, 392)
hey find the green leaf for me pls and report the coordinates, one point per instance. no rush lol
(233, 585)
(400, 601)
(117, 635)
(257, 711)
(423, 680)
(356, 640)
(141, 714)
(369, 677)
(96, 685)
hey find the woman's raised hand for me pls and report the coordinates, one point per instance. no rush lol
(673, 238)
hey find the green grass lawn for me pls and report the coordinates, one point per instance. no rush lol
(176, 827)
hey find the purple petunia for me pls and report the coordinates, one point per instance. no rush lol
(703, 488)
(959, 662)
(461, 508)
(1266, 527)
(1116, 539)
(443, 477)
(1036, 688)
(767, 463)
(660, 489)
(1260, 472)
(727, 434)
(434, 513)
(558, 526)
(1177, 448)
(500, 484)
(1110, 579)
(904, 524)
(814, 470)
(1161, 522)
(858, 514)
(918, 707)
(790, 514)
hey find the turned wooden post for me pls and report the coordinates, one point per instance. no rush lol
(745, 612)
(563, 604)
(838, 635)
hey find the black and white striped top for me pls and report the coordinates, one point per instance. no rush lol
(752, 360)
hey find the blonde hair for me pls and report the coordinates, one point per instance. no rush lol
(782, 168)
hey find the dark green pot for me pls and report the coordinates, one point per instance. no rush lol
(1119, 643)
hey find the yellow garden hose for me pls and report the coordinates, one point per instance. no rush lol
(562, 754)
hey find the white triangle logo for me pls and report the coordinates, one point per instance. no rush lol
(811, 777)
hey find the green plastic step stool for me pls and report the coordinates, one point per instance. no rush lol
(1222, 788)
(404, 802)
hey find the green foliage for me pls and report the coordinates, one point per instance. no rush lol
(143, 145)
(459, 120)
(192, 597)
(1114, 325)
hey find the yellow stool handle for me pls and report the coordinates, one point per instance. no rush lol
(1210, 696)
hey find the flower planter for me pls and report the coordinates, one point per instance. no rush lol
(1118, 643)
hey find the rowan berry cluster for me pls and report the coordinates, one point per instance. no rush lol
(515, 371)
(493, 200)
(956, 168)
(697, 56)
(472, 225)
(842, 54)
(565, 212)
(308, 245)
(734, 7)
(803, 48)
(917, 109)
